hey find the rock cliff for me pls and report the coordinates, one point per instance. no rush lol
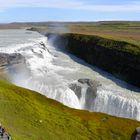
(85, 90)
(119, 58)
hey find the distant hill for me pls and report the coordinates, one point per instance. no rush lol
(12, 26)
(118, 30)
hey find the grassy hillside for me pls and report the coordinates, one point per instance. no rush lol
(116, 30)
(28, 115)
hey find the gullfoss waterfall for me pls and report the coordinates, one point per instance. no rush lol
(55, 74)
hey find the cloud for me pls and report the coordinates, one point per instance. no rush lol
(133, 6)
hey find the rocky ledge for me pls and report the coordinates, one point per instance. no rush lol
(10, 59)
(85, 90)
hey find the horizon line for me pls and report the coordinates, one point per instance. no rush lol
(111, 20)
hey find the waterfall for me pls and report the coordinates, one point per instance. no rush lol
(40, 74)
(82, 100)
(108, 101)
(50, 72)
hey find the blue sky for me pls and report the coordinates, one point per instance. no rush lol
(68, 10)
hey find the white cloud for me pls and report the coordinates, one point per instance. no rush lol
(71, 4)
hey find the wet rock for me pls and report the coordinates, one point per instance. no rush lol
(136, 134)
(90, 96)
(10, 59)
(3, 60)
(89, 82)
(86, 91)
(77, 89)
(15, 58)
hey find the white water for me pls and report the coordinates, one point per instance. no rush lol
(117, 103)
(50, 71)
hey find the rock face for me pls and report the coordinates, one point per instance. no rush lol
(85, 90)
(120, 58)
(136, 134)
(89, 82)
(10, 59)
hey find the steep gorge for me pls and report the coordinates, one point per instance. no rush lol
(119, 58)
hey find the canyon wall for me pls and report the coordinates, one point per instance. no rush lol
(119, 58)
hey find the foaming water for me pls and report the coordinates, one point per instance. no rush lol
(116, 103)
(50, 71)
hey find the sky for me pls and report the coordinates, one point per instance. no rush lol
(68, 10)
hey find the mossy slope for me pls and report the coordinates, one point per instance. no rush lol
(27, 115)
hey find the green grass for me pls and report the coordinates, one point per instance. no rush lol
(21, 111)
(117, 30)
